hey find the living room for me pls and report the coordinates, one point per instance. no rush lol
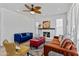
(57, 22)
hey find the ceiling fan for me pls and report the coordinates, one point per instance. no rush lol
(32, 9)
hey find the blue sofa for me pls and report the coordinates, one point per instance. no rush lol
(22, 37)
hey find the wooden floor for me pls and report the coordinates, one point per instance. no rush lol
(2, 51)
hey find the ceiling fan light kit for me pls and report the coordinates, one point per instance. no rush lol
(32, 12)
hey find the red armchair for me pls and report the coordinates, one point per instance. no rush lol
(37, 42)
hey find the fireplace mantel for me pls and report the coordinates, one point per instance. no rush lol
(46, 28)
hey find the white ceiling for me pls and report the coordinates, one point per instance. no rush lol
(47, 8)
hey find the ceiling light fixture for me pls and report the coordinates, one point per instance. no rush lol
(32, 12)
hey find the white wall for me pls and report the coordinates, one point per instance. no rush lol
(78, 27)
(78, 33)
(0, 25)
(53, 18)
(12, 22)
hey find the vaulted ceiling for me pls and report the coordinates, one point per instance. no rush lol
(47, 8)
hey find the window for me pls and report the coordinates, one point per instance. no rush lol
(59, 26)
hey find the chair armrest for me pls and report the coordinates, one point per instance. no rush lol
(17, 37)
(23, 50)
(55, 48)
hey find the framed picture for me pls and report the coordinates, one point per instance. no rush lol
(46, 24)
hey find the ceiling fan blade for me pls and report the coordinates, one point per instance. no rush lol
(37, 7)
(27, 6)
(26, 10)
(36, 11)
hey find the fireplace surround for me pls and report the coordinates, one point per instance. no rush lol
(48, 33)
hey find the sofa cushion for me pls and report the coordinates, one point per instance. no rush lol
(55, 41)
(73, 47)
(23, 34)
(28, 34)
(56, 37)
(64, 41)
(68, 44)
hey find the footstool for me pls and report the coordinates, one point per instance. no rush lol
(37, 42)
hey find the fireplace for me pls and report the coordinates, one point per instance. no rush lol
(46, 34)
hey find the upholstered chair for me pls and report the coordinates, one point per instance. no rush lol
(12, 51)
(67, 48)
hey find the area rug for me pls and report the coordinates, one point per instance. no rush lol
(37, 51)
